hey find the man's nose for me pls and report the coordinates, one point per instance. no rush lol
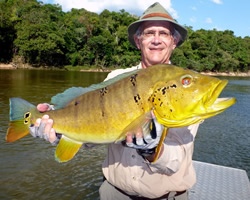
(156, 39)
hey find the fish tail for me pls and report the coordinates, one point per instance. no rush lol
(21, 117)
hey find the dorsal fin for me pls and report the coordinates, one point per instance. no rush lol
(62, 99)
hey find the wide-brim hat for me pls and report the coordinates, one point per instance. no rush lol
(156, 13)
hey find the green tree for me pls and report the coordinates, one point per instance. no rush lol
(45, 35)
(40, 38)
(7, 32)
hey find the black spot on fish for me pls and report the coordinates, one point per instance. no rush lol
(103, 91)
(27, 114)
(164, 90)
(133, 79)
(161, 104)
(173, 86)
(137, 98)
(77, 102)
(103, 113)
(171, 110)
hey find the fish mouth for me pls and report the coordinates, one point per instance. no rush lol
(214, 104)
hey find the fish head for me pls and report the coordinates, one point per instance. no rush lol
(188, 98)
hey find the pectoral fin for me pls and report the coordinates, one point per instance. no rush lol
(66, 149)
(142, 121)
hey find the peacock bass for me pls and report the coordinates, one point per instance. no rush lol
(105, 112)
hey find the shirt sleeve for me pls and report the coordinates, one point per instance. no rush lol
(178, 145)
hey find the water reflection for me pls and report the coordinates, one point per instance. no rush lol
(224, 139)
(28, 169)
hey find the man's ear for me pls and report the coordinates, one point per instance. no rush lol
(136, 39)
(174, 45)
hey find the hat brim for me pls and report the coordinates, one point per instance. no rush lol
(134, 26)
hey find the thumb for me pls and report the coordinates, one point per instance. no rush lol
(43, 107)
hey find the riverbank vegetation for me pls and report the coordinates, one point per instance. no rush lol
(42, 35)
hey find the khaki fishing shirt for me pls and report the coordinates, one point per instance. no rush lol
(173, 171)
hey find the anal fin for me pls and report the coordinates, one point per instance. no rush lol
(66, 149)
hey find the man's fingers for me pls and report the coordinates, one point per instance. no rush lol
(139, 141)
(48, 126)
(43, 129)
(45, 119)
(52, 135)
(38, 121)
(139, 133)
(139, 137)
(129, 138)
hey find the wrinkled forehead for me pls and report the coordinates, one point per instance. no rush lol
(163, 24)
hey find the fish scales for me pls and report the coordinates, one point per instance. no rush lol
(104, 115)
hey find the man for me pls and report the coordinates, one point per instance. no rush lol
(128, 169)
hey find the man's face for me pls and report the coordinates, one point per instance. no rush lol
(156, 43)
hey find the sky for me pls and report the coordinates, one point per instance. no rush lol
(221, 15)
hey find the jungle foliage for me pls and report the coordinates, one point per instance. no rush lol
(43, 35)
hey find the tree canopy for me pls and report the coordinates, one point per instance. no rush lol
(43, 35)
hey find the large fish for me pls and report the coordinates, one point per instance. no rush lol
(105, 112)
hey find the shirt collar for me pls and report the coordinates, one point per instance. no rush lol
(139, 66)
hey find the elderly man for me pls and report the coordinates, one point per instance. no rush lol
(128, 169)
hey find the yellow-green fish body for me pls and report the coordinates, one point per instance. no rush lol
(104, 113)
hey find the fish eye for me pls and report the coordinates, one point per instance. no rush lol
(186, 80)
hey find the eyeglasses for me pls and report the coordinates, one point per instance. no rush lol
(150, 34)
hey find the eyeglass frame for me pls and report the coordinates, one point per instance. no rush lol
(176, 35)
(150, 34)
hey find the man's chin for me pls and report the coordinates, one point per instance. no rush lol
(157, 61)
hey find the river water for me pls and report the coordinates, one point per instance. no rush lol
(28, 169)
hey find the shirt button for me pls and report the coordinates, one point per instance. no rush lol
(133, 156)
(134, 178)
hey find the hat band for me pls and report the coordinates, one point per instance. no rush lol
(157, 15)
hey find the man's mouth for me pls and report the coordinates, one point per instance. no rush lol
(155, 49)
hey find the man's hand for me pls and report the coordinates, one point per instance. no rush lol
(139, 141)
(146, 145)
(43, 127)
